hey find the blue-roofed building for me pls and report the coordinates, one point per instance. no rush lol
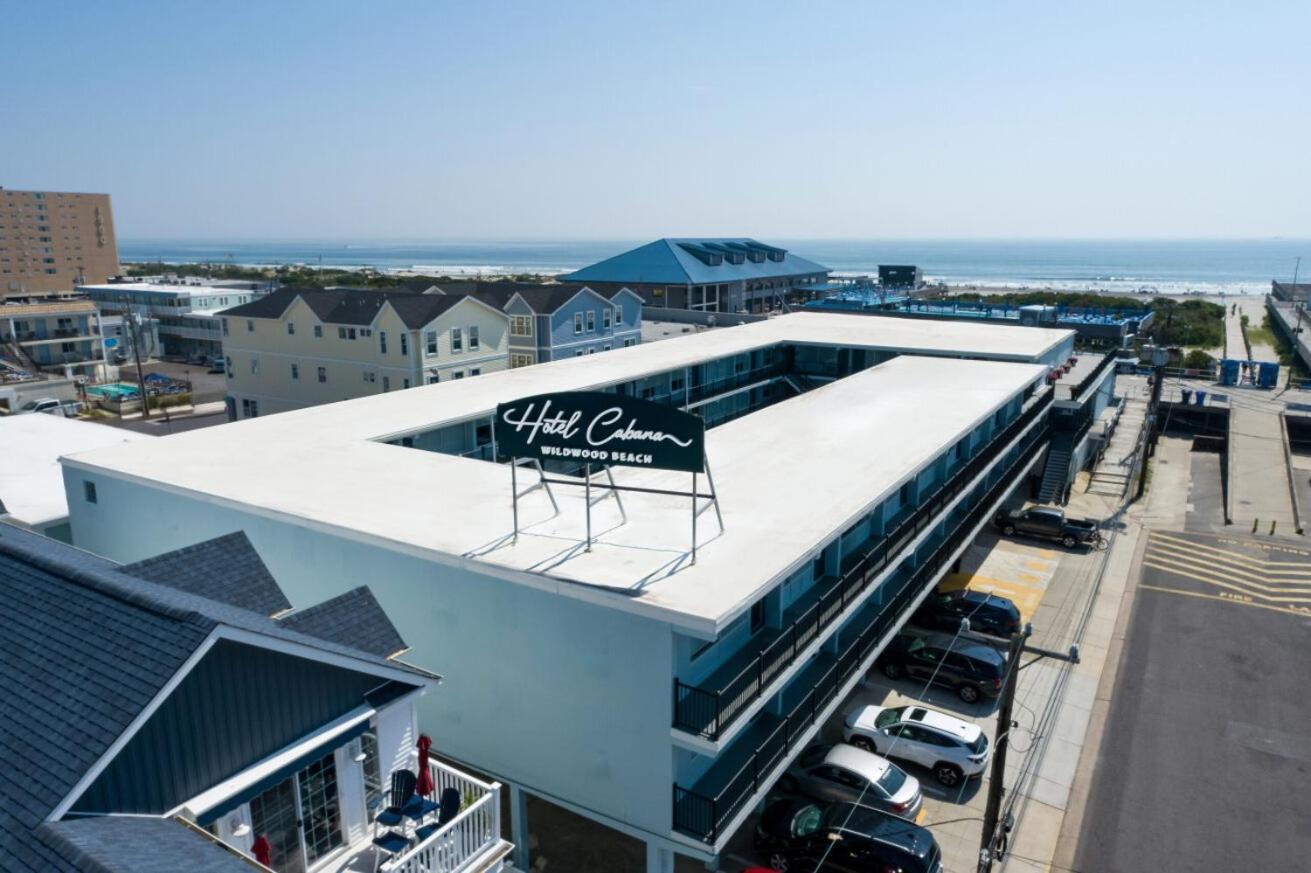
(720, 274)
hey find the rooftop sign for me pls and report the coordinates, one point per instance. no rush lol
(602, 428)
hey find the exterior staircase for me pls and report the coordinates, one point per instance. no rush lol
(1055, 475)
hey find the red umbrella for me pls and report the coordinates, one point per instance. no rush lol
(425, 786)
(262, 850)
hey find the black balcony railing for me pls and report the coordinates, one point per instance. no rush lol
(708, 712)
(1108, 360)
(704, 816)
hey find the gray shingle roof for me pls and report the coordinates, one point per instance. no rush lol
(137, 844)
(353, 619)
(226, 569)
(545, 299)
(84, 647)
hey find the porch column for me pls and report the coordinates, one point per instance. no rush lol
(519, 826)
(658, 858)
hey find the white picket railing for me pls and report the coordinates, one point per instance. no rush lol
(472, 832)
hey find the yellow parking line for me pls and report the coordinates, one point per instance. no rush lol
(1302, 611)
(1040, 566)
(923, 814)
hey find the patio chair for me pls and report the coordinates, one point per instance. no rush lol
(393, 842)
(449, 809)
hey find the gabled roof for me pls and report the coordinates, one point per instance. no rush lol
(139, 844)
(697, 261)
(226, 569)
(357, 306)
(352, 619)
(546, 299)
(86, 649)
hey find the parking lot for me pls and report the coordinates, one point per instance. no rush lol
(1050, 586)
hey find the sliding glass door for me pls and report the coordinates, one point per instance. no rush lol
(300, 817)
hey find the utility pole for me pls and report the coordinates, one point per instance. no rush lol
(996, 780)
(136, 353)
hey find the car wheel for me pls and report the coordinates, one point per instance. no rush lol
(864, 743)
(788, 784)
(1068, 541)
(891, 670)
(968, 693)
(778, 861)
(947, 774)
(1009, 530)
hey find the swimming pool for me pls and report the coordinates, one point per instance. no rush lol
(114, 390)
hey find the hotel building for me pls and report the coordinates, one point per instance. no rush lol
(591, 660)
(51, 241)
(177, 319)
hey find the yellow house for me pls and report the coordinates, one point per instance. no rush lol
(300, 347)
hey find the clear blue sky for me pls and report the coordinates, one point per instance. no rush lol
(617, 120)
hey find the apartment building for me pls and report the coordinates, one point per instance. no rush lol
(720, 274)
(180, 318)
(550, 322)
(52, 333)
(300, 347)
(175, 714)
(52, 241)
(655, 657)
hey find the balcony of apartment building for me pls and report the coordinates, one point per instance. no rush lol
(840, 632)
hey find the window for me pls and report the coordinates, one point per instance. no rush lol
(225, 327)
(350, 333)
(291, 328)
(432, 380)
(254, 366)
(295, 371)
(458, 374)
(318, 331)
(519, 360)
(382, 342)
(473, 337)
(591, 320)
(250, 326)
(430, 342)
(521, 325)
(89, 491)
(618, 316)
(405, 344)
(605, 317)
(578, 354)
(607, 347)
(629, 342)
(370, 376)
(578, 322)
(386, 383)
(475, 371)
(227, 365)
(591, 350)
(457, 340)
(249, 408)
(341, 333)
(757, 615)
(405, 383)
(323, 374)
(372, 775)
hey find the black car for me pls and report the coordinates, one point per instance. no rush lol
(843, 838)
(988, 613)
(975, 669)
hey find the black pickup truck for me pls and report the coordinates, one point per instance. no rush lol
(1050, 523)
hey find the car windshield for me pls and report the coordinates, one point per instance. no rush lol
(980, 743)
(806, 821)
(888, 717)
(892, 780)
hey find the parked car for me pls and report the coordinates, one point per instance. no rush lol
(841, 772)
(975, 669)
(47, 405)
(216, 366)
(1049, 523)
(952, 748)
(988, 613)
(794, 835)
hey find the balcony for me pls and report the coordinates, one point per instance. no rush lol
(756, 759)
(708, 710)
(471, 841)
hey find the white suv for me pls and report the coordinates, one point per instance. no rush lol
(951, 748)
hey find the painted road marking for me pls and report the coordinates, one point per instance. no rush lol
(1012, 570)
(1302, 611)
(1229, 560)
(1159, 535)
(1226, 584)
(1241, 577)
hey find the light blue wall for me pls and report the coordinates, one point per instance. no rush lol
(546, 691)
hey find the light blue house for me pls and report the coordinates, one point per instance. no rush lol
(722, 274)
(550, 322)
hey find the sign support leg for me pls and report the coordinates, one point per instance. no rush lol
(587, 479)
(514, 489)
(693, 517)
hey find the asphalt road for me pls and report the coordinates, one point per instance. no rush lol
(1206, 758)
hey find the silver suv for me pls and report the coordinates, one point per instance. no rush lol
(953, 749)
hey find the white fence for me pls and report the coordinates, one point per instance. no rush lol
(471, 833)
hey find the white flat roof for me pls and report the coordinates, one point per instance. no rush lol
(31, 480)
(164, 288)
(789, 476)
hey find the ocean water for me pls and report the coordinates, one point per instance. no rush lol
(1163, 266)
